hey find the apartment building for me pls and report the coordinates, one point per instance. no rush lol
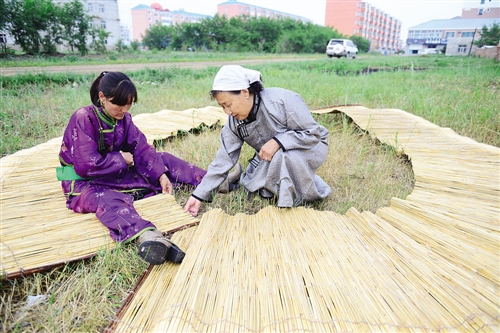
(454, 36)
(106, 16)
(232, 8)
(481, 9)
(144, 17)
(360, 18)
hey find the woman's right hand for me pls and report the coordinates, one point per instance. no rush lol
(129, 158)
(192, 206)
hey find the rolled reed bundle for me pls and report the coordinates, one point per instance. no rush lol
(38, 232)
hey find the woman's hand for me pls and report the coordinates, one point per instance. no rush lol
(166, 185)
(268, 150)
(192, 206)
(129, 158)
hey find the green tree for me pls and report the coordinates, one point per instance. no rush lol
(32, 23)
(363, 44)
(120, 46)
(216, 30)
(5, 19)
(99, 36)
(189, 35)
(158, 36)
(135, 44)
(75, 24)
(489, 36)
(265, 33)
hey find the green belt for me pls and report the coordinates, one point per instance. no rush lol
(67, 172)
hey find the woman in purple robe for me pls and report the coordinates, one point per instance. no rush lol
(106, 164)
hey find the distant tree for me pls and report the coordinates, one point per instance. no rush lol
(99, 37)
(75, 24)
(319, 37)
(158, 36)
(189, 35)
(489, 36)
(134, 45)
(363, 44)
(120, 46)
(29, 20)
(5, 18)
(216, 30)
(5, 13)
(265, 33)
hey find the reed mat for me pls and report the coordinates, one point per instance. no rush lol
(429, 263)
(38, 232)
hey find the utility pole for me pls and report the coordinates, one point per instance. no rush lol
(472, 43)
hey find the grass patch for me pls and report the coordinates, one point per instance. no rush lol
(460, 93)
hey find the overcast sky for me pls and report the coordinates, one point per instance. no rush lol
(409, 12)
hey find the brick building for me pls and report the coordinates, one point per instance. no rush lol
(356, 17)
(232, 8)
(144, 17)
(481, 9)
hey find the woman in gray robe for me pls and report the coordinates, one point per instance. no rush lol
(289, 144)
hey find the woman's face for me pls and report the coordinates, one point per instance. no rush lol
(237, 106)
(115, 111)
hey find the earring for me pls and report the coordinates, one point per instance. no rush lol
(101, 102)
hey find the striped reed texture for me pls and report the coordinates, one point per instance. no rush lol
(37, 230)
(429, 263)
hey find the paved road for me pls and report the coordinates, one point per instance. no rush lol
(9, 71)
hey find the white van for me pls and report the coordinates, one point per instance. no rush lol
(341, 48)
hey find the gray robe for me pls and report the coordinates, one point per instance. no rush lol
(291, 174)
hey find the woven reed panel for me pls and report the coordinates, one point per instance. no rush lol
(37, 231)
(428, 263)
(150, 298)
(303, 270)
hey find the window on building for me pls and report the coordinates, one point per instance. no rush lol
(89, 7)
(103, 24)
(450, 34)
(480, 12)
(101, 8)
(482, 2)
(462, 48)
(468, 34)
(91, 25)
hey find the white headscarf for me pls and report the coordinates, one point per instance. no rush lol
(235, 77)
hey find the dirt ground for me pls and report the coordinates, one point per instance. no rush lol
(9, 71)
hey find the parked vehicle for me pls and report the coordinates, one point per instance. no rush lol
(341, 48)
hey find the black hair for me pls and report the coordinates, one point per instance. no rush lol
(115, 86)
(254, 89)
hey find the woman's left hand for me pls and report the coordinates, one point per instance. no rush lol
(268, 150)
(166, 185)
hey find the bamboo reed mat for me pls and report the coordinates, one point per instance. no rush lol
(429, 263)
(38, 232)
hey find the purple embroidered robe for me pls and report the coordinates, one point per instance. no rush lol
(110, 185)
